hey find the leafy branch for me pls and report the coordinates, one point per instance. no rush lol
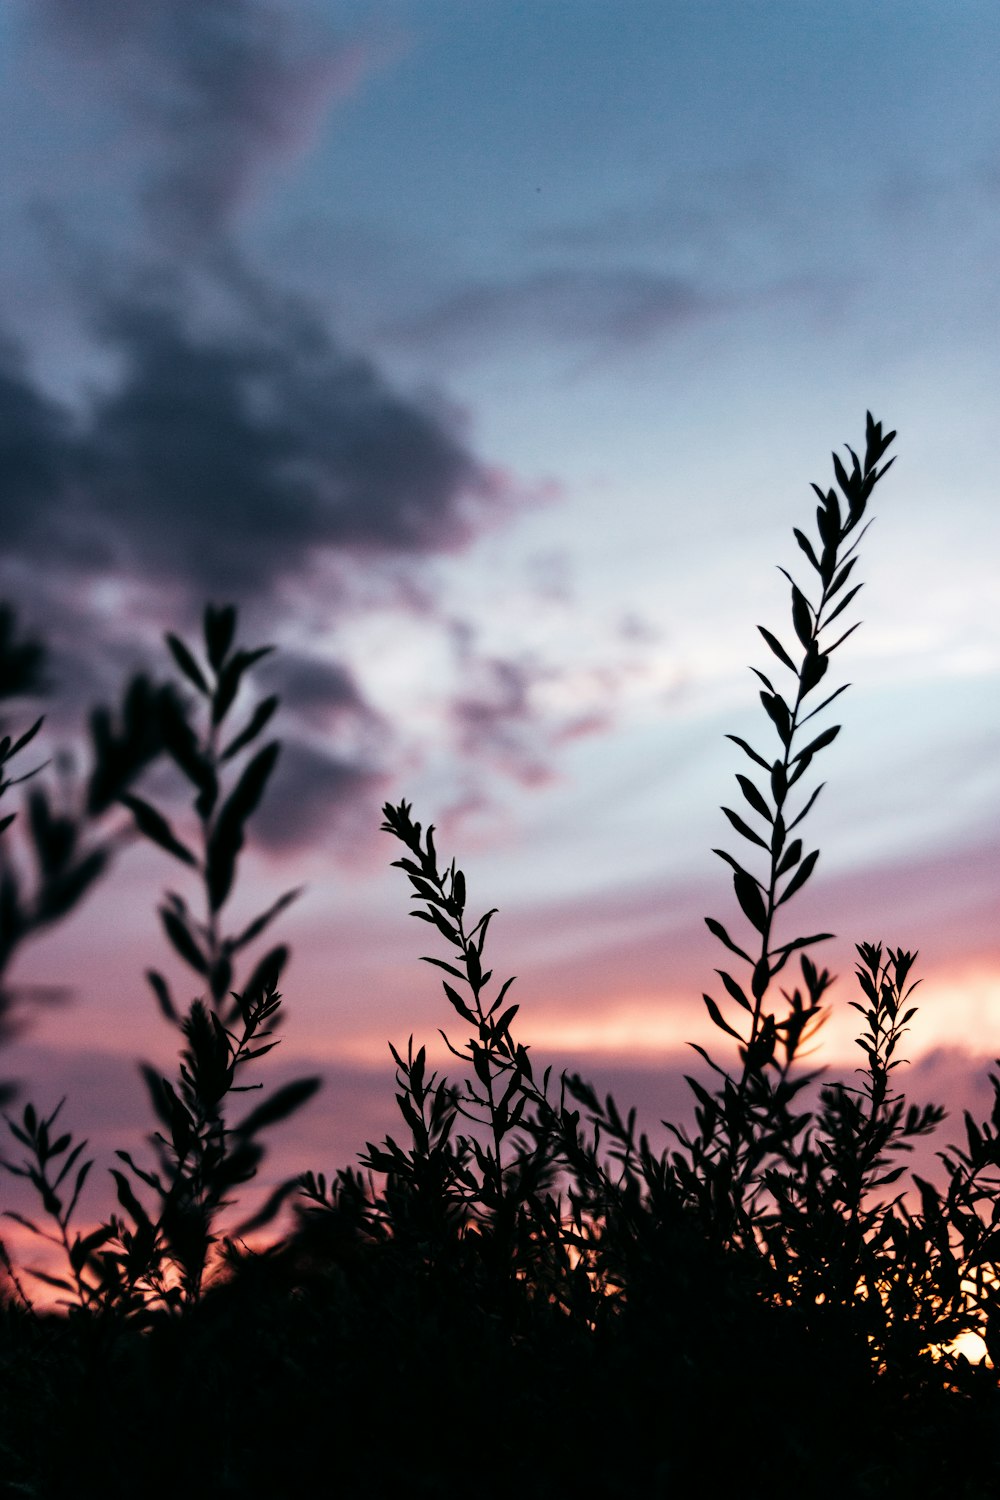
(751, 1114)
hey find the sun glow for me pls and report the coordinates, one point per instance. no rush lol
(644, 1026)
(971, 1345)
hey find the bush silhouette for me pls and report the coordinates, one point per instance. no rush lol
(516, 1291)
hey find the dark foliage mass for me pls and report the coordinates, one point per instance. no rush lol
(516, 1294)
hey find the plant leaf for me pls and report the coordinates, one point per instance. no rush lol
(777, 711)
(717, 929)
(156, 827)
(256, 927)
(805, 543)
(791, 857)
(802, 617)
(754, 798)
(819, 743)
(226, 839)
(744, 829)
(719, 1019)
(279, 1106)
(182, 940)
(182, 656)
(843, 605)
(260, 716)
(777, 647)
(219, 627)
(734, 989)
(800, 877)
(750, 899)
(749, 750)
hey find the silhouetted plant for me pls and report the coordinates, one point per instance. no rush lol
(213, 1047)
(752, 1115)
(145, 1259)
(719, 1178)
(473, 1294)
(70, 845)
(836, 1251)
(471, 1196)
(21, 675)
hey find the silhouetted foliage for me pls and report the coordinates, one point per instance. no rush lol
(517, 1292)
(69, 844)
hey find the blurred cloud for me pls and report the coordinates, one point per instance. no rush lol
(36, 446)
(704, 211)
(234, 451)
(318, 790)
(494, 716)
(218, 92)
(223, 458)
(512, 712)
(314, 689)
(331, 778)
(600, 309)
(239, 455)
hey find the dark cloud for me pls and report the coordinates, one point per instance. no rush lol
(336, 785)
(315, 689)
(36, 443)
(598, 309)
(232, 457)
(224, 460)
(216, 91)
(313, 790)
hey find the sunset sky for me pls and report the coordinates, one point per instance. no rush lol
(483, 353)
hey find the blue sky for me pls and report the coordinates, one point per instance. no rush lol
(483, 354)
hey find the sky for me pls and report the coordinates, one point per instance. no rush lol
(483, 355)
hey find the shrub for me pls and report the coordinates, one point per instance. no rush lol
(518, 1287)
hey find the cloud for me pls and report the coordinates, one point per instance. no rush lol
(233, 451)
(512, 713)
(317, 690)
(233, 458)
(216, 92)
(698, 210)
(314, 790)
(225, 457)
(36, 443)
(494, 718)
(610, 309)
(336, 781)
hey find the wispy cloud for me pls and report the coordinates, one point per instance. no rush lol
(590, 309)
(216, 92)
(512, 712)
(701, 213)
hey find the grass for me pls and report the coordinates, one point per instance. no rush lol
(515, 1292)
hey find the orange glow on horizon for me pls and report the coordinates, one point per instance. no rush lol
(957, 1007)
